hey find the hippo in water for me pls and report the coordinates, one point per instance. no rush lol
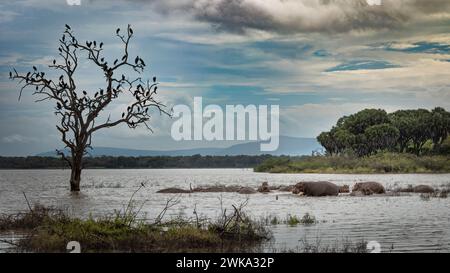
(247, 190)
(423, 189)
(316, 189)
(368, 188)
(264, 188)
(344, 189)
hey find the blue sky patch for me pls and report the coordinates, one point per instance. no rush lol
(421, 47)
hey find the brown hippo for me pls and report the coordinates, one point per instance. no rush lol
(217, 188)
(344, 189)
(246, 190)
(264, 187)
(368, 188)
(423, 189)
(316, 189)
(173, 190)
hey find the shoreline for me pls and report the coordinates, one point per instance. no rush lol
(231, 168)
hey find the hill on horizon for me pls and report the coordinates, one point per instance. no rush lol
(288, 146)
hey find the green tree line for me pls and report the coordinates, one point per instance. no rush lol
(110, 162)
(373, 130)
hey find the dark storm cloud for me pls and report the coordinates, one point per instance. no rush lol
(296, 16)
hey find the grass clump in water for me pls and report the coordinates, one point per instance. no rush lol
(308, 219)
(291, 220)
(50, 229)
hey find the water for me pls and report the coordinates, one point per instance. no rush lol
(406, 223)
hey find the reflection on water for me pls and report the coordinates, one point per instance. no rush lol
(405, 223)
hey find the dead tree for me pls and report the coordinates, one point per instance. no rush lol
(79, 110)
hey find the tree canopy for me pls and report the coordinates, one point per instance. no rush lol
(372, 130)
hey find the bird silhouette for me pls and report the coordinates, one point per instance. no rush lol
(67, 26)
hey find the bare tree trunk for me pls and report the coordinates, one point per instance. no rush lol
(75, 176)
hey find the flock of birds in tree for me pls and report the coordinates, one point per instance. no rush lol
(141, 92)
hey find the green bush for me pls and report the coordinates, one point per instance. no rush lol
(383, 162)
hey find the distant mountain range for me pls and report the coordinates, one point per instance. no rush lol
(288, 146)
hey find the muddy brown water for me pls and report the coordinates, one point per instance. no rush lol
(398, 223)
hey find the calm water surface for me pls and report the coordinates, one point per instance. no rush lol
(406, 223)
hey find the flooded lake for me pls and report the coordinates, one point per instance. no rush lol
(398, 223)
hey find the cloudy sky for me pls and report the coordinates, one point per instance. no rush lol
(317, 59)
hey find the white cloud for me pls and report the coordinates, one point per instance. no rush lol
(16, 138)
